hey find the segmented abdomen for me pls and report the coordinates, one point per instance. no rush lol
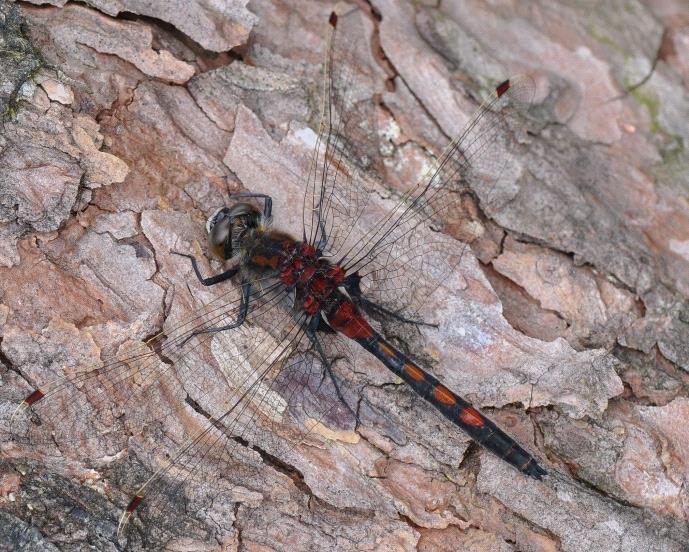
(452, 406)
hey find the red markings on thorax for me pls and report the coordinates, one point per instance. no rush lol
(311, 305)
(316, 277)
(307, 274)
(336, 273)
(34, 397)
(471, 416)
(287, 276)
(347, 320)
(308, 250)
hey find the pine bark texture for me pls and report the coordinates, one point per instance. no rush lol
(126, 123)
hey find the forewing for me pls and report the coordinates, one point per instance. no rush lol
(335, 194)
(99, 406)
(405, 256)
(258, 387)
(283, 395)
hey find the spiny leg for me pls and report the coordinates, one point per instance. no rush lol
(369, 307)
(323, 241)
(241, 318)
(267, 201)
(318, 324)
(352, 285)
(212, 280)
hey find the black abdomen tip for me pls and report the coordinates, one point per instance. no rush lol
(536, 471)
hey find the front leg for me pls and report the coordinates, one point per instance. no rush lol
(241, 317)
(212, 280)
(352, 285)
(315, 325)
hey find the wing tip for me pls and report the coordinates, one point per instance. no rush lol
(521, 88)
(134, 503)
(30, 399)
(34, 397)
(503, 87)
(537, 472)
(122, 525)
(127, 514)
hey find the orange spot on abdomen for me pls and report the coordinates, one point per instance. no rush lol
(414, 372)
(471, 416)
(389, 351)
(444, 395)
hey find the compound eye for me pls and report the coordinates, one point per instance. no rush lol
(219, 212)
(220, 235)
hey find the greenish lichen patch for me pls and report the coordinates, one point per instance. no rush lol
(19, 60)
(600, 36)
(650, 100)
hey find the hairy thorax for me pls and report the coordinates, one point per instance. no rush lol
(297, 265)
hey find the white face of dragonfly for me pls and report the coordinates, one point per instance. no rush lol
(211, 220)
(227, 225)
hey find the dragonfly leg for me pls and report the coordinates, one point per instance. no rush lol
(267, 201)
(323, 235)
(243, 311)
(315, 325)
(351, 284)
(323, 240)
(212, 279)
(369, 307)
(318, 324)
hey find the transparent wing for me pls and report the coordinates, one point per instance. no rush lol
(101, 405)
(285, 395)
(335, 194)
(256, 389)
(405, 256)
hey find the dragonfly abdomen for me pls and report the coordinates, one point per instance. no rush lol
(452, 406)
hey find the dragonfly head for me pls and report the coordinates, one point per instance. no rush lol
(228, 225)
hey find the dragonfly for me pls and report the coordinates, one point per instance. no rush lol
(292, 307)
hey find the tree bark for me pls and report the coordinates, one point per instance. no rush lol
(125, 125)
